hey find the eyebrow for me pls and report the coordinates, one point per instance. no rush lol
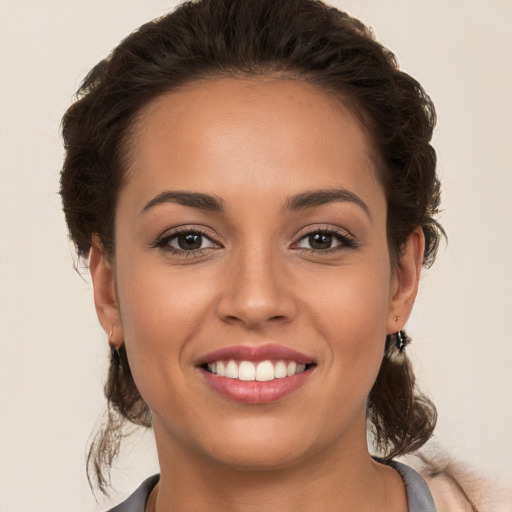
(302, 201)
(192, 199)
(315, 198)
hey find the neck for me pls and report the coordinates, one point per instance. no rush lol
(342, 480)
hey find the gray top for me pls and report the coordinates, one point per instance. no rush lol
(137, 501)
(418, 495)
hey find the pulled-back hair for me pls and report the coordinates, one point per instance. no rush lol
(300, 39)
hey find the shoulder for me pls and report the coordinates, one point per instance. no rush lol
(419, 496)
(136, 502)
(456, 489)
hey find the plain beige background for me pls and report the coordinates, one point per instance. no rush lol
(53, 352)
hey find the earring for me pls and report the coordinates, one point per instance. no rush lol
(396, 347)
(116, 356)
(401, 340)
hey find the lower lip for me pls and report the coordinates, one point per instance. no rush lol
(256, 392)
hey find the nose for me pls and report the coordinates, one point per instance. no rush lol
(256, 291)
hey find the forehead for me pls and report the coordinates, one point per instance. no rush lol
(249, 135)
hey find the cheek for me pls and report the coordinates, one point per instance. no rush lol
(161, 312)
(352, 299)
(349, 311)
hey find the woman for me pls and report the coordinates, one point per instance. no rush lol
(254, 186)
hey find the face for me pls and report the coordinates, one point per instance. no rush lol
(251, 242)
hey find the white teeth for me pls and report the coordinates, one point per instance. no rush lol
(265, 371)
(290, 369)
(249, 371)
(232, 370)
(280, 370)
(221, 369)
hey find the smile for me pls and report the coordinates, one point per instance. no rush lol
(260, 371)
(256, 374)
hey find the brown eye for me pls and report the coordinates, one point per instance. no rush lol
(186, 241)
(189, 241)
(320, 241)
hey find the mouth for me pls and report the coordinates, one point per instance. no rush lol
(263, 371)
(256, 375)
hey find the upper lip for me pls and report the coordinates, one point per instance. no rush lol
(255, 353)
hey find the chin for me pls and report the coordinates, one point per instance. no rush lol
(262, 444)
(248, 444)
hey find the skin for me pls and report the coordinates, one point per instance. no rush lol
(254, 144)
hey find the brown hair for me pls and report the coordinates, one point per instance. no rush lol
(302, 39)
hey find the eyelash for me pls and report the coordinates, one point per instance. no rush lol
(164, 242)
(345, 240)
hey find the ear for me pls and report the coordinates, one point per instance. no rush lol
(404, 284)
(105, 300)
